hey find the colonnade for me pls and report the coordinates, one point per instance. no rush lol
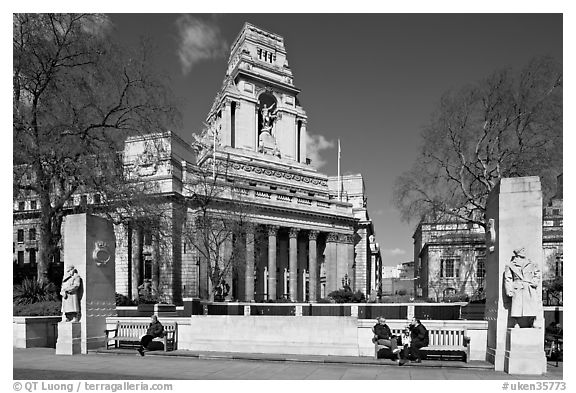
(338, 257)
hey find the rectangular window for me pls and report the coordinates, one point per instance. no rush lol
(147, 238)
(148, 268)
(442, 268)
(97, 199)
(20, 257)
(559, 265)
(33, 205)
(21, 206)
(20, 235)
(480, 270)
(32, 234)
(449, 268)
(32, 256)
(83, 200)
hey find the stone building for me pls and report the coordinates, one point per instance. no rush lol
(308, 234)
(450, 256)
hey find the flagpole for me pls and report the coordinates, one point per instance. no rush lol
(339, 179)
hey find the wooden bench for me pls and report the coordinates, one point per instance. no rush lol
(442, 342)
(130, 333)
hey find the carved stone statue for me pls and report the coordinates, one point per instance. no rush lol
(490, 235)
(521, 280)
(71, 292)
(268, 118)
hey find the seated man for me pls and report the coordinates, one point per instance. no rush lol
(383, 336)
(155, 329)
(419, 339)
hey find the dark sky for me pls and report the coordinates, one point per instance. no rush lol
(370, 80)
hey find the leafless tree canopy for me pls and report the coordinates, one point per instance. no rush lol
(507, 125)
(76, 96)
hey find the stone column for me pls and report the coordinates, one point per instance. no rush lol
(302, 146)
(514, 216)
(330, 263)
(293, 261)
(137, 240)
(312, 266)
(249, 275)
(302, 266)
(272, 236)
(349, 240)
(156, 264)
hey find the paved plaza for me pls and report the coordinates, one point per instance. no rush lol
(42, 363)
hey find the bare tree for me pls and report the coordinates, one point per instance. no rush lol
(218, 217)
(508, 125)
(76, 96)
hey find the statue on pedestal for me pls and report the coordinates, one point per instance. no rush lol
(268, 118)
(266, 142)
(521, 281)
(71, 292)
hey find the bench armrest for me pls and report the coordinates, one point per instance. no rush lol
(108, 331)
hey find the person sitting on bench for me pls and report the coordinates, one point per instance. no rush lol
(154, 330)
(419, 339)
(383, 336)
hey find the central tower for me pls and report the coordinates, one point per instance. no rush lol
(257, 108)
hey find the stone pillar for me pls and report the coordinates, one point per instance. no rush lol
(282, 265)
(226, 252)
(249, 274)
(362, 251)
(303, 139)
(514, 214)
(69, 340)
(302, 266)
(330, 263)
(312, 266)
(293, 261)
(90, 247)
(341, 260)
(137, 240)
(272, 236)
(349, 240)
(156, 263)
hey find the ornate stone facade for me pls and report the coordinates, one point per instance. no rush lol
(302, 241)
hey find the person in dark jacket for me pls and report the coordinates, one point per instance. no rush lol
(154, 330)
(419, 339)
(383, 335)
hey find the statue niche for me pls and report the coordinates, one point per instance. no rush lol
(267, 116)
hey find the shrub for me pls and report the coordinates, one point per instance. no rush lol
(325, 300)
(122, 300)
(31, 291)
(347, 296)
(47, 308)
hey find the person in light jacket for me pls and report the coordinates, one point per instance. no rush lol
(521, 282)
(71, 292)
